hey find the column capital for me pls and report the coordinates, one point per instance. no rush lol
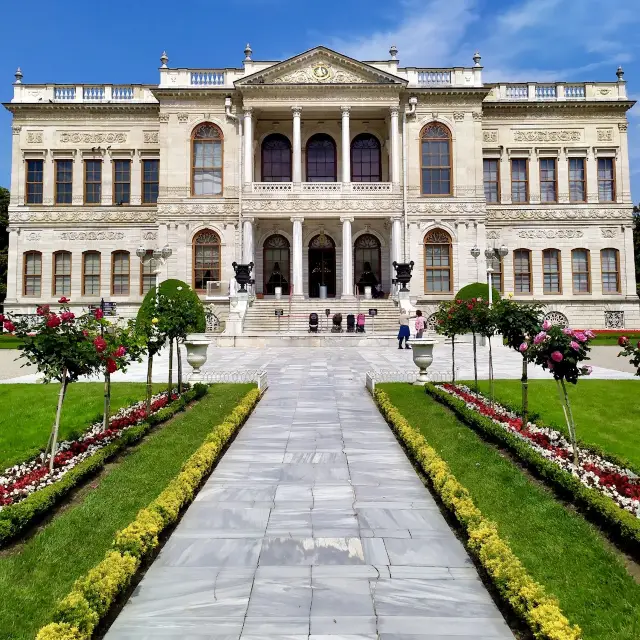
(344, 219)
(16, 129)
(395, 218)
(249, 219)
(394, 109)
(297, 219)
(296, 110)
(345, 110)
(248, 111)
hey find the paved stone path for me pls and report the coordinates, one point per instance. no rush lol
(314, 526)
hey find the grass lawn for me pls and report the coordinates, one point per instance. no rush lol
(559, 548)
(44, 570)
(28, 411)
(608, 339)
(9, 341)
(606, 411)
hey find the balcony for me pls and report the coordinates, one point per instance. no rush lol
(557, 92)
(325, 188)
(83, 93)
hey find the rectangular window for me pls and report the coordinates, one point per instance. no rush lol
(581, 271)
(551, 271)
(64, 181)
(121, 181)
(491, 170)
(610, 264)
(150, 181)
(120, 273)
(522, 271)
(62, 273)
(497, 277)
(32, 273)
(92, 181)
(519, 180)
(548, 180)
(577, 180)
(34, 191)
(606, 180)
(147, 273)
(91, 274)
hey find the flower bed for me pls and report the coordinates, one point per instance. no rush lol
(593, 471)
(21, 480)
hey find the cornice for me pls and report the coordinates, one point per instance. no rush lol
(570, 214)
(81, 107)
(518, 107)
(79, 215)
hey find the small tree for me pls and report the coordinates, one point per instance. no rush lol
(630, 351)
(61, 347)
(517, 323)
(560, 352)
(452, 319)
(483, 322)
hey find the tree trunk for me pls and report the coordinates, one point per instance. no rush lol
(475, 361)
(179, 357)
(149, 382)
(56, 426)
(107, 401)
(571, 424)
(525, 394)
(490, 371)
(453, 359)
(170, 367)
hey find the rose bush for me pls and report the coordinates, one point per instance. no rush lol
(631, 351)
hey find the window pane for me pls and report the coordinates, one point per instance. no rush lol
(522, 271)
(491, 180)
(606, 180)
(34, 181)
(519, 186)
(120, 273)
(150, 181)
(548, 184)
(93, 181)
(551, 271)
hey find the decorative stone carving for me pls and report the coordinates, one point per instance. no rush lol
(493, 234)
(556, 135)
(557, 319)
(490, 136)
(91, 235)
(614, 319)
(458, 115)
(163, 117)
(79, 137)
(550, 233)
(183, 117)
(34, 137)
(608, 233)
(604, 135)
(90, 214)
(623, 126)
(558, 214)
(150, 235)
(320, 71)
(477, 115)
(151, 137)
(321, 205)
(34, 236)
(16, 129)
(434, 208)
(197, 208)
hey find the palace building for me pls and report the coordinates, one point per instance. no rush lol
(323, 170)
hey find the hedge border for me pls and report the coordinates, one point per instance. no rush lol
(15, 518)
(619, 525)
(540, 611)
(79, 613)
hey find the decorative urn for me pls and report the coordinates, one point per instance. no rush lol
(422, 357)
(243, 274)
(403, 273)
(196, 345)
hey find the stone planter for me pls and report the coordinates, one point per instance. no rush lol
(196, 344)
(422, 357)
(277, 291)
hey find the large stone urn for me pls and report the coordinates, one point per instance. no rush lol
(196, 344)
(422, 357)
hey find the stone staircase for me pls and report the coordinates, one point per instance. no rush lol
(261, 316)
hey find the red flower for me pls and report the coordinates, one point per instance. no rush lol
(470, 307)
(111, 365)
(119, 352)
(100, 344)
(64, 300)
(43, 310)
(9, 326)
(623, 341)
(99, 314)
(638, 345)
(53, 321)
(85, 333)
(1, 318)
(67, 316)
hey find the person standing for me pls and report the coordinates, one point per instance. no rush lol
(404, 332)
(419, 324)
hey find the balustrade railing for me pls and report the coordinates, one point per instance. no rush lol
(122, 93)
(434, 78)
(64, 93)
(277, 188)
(207, 78)
(574, 91)
(546, 92)
(517, 92)
(93, 93)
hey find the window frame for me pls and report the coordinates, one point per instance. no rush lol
(143, 182)
(275, 135)
(84, 273)
(28, 161)
(57, 182)
(193, 256)
(541, 160)
(114, 183)
(143, 274)
(311, 138)
(362, 136)
(496, 182)
(559, 272)
(493, 274)
(526, 180)
(516, 273)
(85, 183)
(613, 177)
(37, 276)
(213, 141)
(449, 268)
(449, 167)
(113, 274)
(574, 272)
(618, 275)
(55, 275)
(583, 181)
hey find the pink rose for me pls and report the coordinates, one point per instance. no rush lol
(580, 336)
(100, 344)
(590, 334)
(119, 352)
(556, 356)
(541, 337)
(567, 331)
(523, 347)
(574, 345)
(550, 365)
(546, 325)
(587, 370)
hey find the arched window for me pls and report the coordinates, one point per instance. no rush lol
(206, 258)
(62, 273)
(276, 260)
(91, 273)
(366, 261)
(522, 271)
(276, 158)
(32, 273)
(206, 162)
(365, 159)
(436, 160)
(438, 262)
(581, 270)
(120, 273)
(321, 158)
(551, 271)
(610, 265)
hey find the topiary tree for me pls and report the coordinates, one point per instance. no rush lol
(483, 321)
(477, 290)
(452, 319)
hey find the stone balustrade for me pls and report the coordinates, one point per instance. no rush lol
(558, 91)
(92, 94)
(326, 188)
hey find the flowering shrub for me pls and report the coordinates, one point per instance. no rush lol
(631, 351)
(453, 318)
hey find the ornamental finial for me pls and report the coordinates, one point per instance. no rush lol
(247, 53)
(18, 75)
(393, 52)
(164, 58)
(476, 59)
(620, 74)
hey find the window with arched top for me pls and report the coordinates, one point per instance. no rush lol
(276, 158)
(438, 262)
(436, 160)
(61, 273)
(32, 273)
(276, 264)
(366, 165)
(206, 160)
(366, 261)
(206, 258)
(321, 159)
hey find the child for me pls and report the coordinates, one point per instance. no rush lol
(419, 324)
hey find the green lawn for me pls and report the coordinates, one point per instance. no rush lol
(606, 411)
(28, 411)
(34, 579)
(559, 548)
(9, 342)
(606, 339)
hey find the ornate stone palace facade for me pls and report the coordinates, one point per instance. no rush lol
(322, 169)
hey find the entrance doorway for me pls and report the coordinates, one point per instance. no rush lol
(367, 268)
(322, 265)
(276, 267)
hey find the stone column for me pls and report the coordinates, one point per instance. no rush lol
(396, 242)
(247, 241)
(297, 145)
(346, 146)
(347, 258)
(296, 251)
(394, 156)
(622, 167)
(628, 271)
(248, 145)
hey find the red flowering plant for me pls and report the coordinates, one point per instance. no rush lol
(631, 351)
(453, 318)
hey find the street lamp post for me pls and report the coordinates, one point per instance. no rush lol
(496, 253)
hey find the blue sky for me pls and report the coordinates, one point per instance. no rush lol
(120, 42)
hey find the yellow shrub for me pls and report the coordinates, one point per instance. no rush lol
(60, 631)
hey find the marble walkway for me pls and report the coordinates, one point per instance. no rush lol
(314, 526)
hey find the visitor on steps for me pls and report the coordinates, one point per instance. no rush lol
(404, 332)
(419, 324)
(361, 321)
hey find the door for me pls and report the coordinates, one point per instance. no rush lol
(366, 262)
(322, 265)
(276, 261)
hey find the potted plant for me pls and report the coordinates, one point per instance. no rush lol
(630, 351)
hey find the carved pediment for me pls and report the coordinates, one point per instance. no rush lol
(320, 66)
